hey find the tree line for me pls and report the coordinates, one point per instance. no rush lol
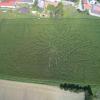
(77, 88)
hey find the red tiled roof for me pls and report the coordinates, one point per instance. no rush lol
(7, 3)
(87, 6)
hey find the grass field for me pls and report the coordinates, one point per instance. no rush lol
(51, 49)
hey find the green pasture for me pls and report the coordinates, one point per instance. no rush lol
(51, 49)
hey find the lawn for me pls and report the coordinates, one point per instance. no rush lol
(48, 49)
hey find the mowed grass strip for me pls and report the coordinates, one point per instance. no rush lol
(48, 49)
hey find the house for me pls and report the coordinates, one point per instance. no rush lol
(91, 5)
(8, 4)
(13, 3)
(95, 11)
(41, 4)
(86, 4)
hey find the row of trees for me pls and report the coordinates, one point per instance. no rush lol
(76, 88)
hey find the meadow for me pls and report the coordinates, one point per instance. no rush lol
(63, 50)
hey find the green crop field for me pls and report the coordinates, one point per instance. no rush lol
(51, 49)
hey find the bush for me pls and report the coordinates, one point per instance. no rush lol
(61, 86)
(77, 88)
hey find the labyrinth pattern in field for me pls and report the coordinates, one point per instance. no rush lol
(65, 49)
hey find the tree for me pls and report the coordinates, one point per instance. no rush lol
(35, 2)
(90, 90)
(98, 0)
(51, 9)
(35, 7)
(59, 10)
(61, 86)
(77, 88)
(56, 11)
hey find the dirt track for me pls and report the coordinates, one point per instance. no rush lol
(11, 90)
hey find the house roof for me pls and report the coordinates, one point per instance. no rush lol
(7, 3)
(87, 6)
(96, 9)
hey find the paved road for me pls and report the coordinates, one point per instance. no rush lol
(10, 90)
